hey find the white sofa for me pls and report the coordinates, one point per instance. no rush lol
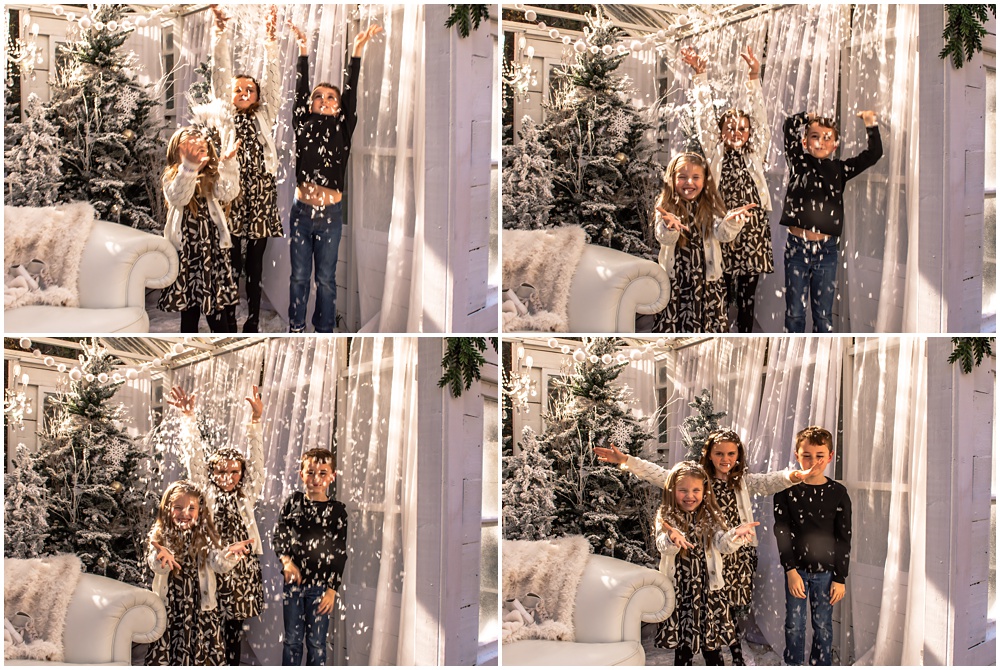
(105, 617)
(119, 263)
(613, 600)
(610, 287)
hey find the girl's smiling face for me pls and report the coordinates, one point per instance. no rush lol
(688, 492)
(724, 456)
(245, 93)
(184, 511)
(227, 474)
(689, 181)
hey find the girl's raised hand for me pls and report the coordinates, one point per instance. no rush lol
(671, 221)
(181, 400)
(257, 404)
(300, 37)
(690, 56)
(612, 455)
(239, 548)
(193, 151)
(816, 469)
(220, 18)
(745, 529)
(677, 538)
(232, 151)
(362, 38)
(752, 62)
(739, 213)
(165, 556)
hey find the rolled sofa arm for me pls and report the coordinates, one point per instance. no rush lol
(610, 287)
(106, 616)
(119, 263)
(615, 597)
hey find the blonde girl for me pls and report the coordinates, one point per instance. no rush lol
(232, 483)
(724, 460)
(691, 222)
(197, 183)
(692, 535)
(185, 554)
(253, 217)
(737, 143)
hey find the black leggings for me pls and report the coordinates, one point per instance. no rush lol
(220, 322)
(248, 256)
(232, 633)
(684, 656)
(742, 291)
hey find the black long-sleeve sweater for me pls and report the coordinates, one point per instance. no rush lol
(323, 142)
(815, 197)
(812, 524)
(314, 535)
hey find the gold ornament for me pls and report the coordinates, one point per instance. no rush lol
(606, 233)
(621, 158)
(128, 133)
(117, 487)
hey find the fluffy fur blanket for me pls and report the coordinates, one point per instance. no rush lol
(54, 235)
(42, 589)
(547, 260)
(552, 569)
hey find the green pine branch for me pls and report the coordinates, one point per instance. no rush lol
(964, 31)
(462, 363)
(970, 349)
(467, 18)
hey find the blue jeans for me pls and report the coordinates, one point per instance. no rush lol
(315, 236)
(817, 587)
(299, 608)
(810, 271)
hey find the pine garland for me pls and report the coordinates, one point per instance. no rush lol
(467, 17)
(969, 349)
(462, 362)
(964, 32)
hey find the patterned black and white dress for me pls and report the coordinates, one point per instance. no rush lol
(254, 213)
(701, 617)
(696, 305)
(751, 253)
(193, 636)
(205, 275)
(739, 567)
(241, 590)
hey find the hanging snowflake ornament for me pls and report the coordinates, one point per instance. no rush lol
(619, 125)
(621, 434)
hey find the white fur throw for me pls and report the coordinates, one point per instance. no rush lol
(547, 260)
(54, 235)
(42, 589)
(552, 569)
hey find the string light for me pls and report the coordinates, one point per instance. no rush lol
(121, 373)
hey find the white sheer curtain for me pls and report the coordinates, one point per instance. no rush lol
(885, 457)
(639, 376)
(386, 191)
(730, 369)
(379, 612)
(801, 388)
(881, 205)
(147, 44)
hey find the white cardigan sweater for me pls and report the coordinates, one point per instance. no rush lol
(723, 543)
(216, 562)
(722, 231)
(767, 483)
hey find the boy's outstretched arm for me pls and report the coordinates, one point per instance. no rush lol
(867, 158)
(793, 134)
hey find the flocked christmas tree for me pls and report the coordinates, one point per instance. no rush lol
(527, 181)
(698, 426)
(31, 163)
(611, 507)
(112, 154)
(98, 504)
(25, 518)
(604, 178)
(528, 509)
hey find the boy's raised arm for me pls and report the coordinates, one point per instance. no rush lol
(793, 133)
(867, 158)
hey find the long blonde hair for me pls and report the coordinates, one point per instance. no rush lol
(164, 531)
(208, 175)
(706, 207)
(708, 519)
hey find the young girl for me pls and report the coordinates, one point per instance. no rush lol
(692, 536)
(724, 460)
(196, 183)
(185, 556)
(690, 223)
(736, 152)
(232, 485)
(253, 217)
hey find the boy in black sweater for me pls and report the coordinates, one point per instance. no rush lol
(311, 541)
(812, 524)
(814, 213)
